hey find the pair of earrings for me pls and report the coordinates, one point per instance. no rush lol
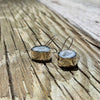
(42, 53)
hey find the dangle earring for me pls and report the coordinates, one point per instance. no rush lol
(42, 53)
(67, 58)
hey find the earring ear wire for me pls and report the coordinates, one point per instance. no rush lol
(71, 44)
(49, 42)
(64, 44)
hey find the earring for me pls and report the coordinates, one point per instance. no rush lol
(67, 58)
(42, 53)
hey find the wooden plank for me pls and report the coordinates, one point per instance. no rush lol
(27, 24)
(23, 79)
(6, 89)
(28, 65)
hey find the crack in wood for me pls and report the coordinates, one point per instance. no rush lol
(9, 73)
(82, 86)
(54, 79)
(33, 32)
(46, 30)
(68, 93)
(98, 47)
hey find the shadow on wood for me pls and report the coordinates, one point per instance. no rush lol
(71, 68)
(42, 61)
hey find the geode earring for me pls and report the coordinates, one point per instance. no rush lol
(67, 58)
(42, 53)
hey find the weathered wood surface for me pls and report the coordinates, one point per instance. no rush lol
(24, 24)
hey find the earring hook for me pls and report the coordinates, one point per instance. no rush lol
(49, 42)
(71, 43)
(65, 42)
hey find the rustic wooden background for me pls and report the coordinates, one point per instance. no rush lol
(28, 23)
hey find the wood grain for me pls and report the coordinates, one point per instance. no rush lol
(24, 24)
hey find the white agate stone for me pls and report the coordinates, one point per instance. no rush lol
(67, 54)
(41, 49)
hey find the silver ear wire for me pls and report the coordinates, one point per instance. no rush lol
(49, 42)
(64, 44)
(71, 44)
